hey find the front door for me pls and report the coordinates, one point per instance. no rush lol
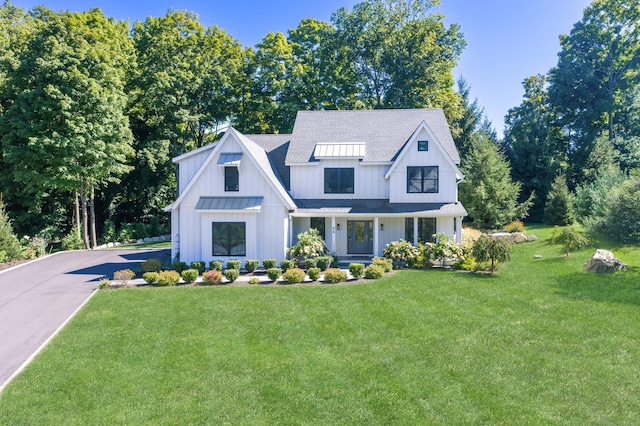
(360, 237)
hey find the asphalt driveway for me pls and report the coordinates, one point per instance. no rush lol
(37, 298)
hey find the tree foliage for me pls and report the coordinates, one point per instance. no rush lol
(487, 192)
(559, 208)
(492, 249)
(569, 239)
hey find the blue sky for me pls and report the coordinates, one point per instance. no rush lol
(507, 40)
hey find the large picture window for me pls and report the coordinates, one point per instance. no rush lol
(229, 239)
(426, 229)
(231, 179)
(338, 180)
(422, 179)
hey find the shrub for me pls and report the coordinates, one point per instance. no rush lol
(72, 241)
(310, 263)
(251, 265)
(383, 262)
(309, 244)
(109, 232)
(151, 265)
(568, 238)
(488, 248)
(179, 266)
(190, 275)
(294, 275)
(150, 277)
(3, 256)
(231, 274)
(216, 265)
(314, 274)
(274, 273)
(124, 275)
(168, 278)
(324, 262)
(198, 266)
(212, 277)
(334, 275)
(254, 280)
(374, 272)
(444, 250)
(234, 264)
(286, 264)
(269, 263)
(401, 252)
(515, 226)
(356, 269)
(104, 283)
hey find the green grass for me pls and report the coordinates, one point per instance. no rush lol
(540, 343)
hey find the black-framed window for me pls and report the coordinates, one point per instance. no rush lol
(229, 239)
(423, 145)
(426, 229)
(231, 179)
(338, 180)
(319, 224)
(423, 179)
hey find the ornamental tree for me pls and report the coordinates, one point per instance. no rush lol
(488, 248)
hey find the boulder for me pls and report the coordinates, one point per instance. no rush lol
(603, 262)
(502, 235)
(532, 238)
(519, 237)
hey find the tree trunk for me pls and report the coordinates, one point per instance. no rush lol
(85, 222)
(76, 216)
(92, 213)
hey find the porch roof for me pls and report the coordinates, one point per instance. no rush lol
(236, 204)
(371, 207)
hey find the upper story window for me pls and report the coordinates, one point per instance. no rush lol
(423, 145)
(338, 180)
(231, 179)
(422, 179)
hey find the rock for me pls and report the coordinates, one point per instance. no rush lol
(603, 262)
(502, 235)
(519, 237)
(532, 238)
(109, 245)
(537, 256)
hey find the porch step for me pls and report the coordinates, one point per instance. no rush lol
(344, 261)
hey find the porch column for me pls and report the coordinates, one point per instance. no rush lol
(333, 234)
(415, 231)
(376, 238)
(290, 231)
(459, 230)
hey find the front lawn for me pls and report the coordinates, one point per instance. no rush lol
(540, 343)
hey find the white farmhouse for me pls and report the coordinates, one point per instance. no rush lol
(362, 178)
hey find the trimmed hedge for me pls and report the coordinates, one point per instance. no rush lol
(310, 263)
(373, 272)
(314, 274)
(151, 265)
(294, 275)
(179, 266)
(212, 277)
(286, 264)
(334, 276)
(216, 265)
(251, 265)
(356, 269)
(269, 263)
(150, 277)
(324, 262)
(274, 273)
(234, 264)
(231, 274)
(190, 275)
(198, 266)
(168, 278)
(383, 262)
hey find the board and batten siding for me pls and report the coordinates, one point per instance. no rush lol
(307, 181)
(266, 231)
(435, 156)
(188, 167)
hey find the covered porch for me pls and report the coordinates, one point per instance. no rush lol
(362, 228)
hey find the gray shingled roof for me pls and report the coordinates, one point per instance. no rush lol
(385, 131)
(276, 147)
(376, 206)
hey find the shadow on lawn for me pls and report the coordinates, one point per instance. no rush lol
(621, 287)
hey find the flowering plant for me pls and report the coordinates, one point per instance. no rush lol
(401, 252)
(310, 244)
(444, 250)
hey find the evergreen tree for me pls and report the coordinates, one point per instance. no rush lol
(10, 248)
(559, 207)
(487, 192)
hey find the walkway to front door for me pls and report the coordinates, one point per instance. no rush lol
(360, 237)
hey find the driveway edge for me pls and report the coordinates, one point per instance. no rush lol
(46, 342)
